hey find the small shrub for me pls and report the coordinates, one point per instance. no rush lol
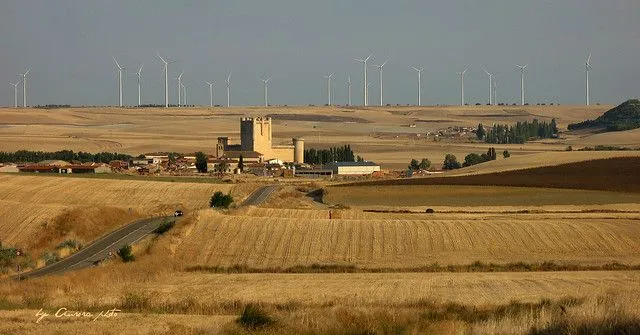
(569, 148)
(430, 211)
(254, 317)
(71, 244)
(164, 227)
(506, 154)
(50, 257)
(125, 253)
(220, 200)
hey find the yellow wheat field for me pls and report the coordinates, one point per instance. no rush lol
(27, 203)
(271, 241)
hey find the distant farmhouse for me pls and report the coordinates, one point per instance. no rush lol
(256, 144)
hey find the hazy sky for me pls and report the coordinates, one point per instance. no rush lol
(69, 45)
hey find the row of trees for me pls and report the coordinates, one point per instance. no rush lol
(520, 133)
(451, 162)
(334, 154)
(65, 155)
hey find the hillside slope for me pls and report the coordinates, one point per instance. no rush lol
(623, 117)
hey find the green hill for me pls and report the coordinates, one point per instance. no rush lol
(623, 117)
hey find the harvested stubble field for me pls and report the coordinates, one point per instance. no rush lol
(86, 208)
(277, 241)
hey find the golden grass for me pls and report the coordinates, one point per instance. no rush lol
(270, 241)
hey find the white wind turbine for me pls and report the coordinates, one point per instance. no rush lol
(462, 85)
(120, 69)
(166, 79)
(365, 83)
(419, 70)
(229, 90)
(179, 79)
(184, 94)
(490, 86)
(210, 92)
(588, 68)
(522, 96)
(24, 87)
(329, 78)
(495, 90)
(15, 93)
(348, 90)
(139, 74)
(266, 93)
(380, 69)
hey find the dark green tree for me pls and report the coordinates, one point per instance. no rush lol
(480, 133)
(414, 165)
(220, 200)
(424, 164)
(506, 154)
(473, 159)
(201, 162)
(450, 162)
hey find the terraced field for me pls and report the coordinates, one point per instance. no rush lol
(306, 237)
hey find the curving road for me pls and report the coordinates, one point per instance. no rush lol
(260, 195)
(100, 248)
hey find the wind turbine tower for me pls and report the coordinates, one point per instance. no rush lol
(229, 90)
(365, 83)
(139, 74)
(329, 78)
(419, 70)
(15, 94)
(184, 95)
(179, 78)
(522, 96)
(380, 68)
(348, 90)
(588, 68)
(166, 79)
(490, 86)
(266, 93)
(462, 86)
(120, 69)
(24, 87)
(210, 92)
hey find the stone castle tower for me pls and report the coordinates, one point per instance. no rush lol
(255, 134)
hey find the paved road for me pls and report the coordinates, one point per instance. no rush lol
(99, 249)
(129, 234)
(260, 195)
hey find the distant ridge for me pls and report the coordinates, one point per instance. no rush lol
(624, 117)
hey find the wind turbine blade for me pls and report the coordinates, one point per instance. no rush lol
(162, 59)
(117, 64)
(385, 63)
(26, 73)
(366, 59)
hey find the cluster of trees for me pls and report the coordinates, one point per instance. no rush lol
(473, 158)
(65, 155)
(451, 162)
(421, 165)
(520, 133)
(334, 154)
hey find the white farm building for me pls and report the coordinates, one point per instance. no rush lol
(353, 168)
